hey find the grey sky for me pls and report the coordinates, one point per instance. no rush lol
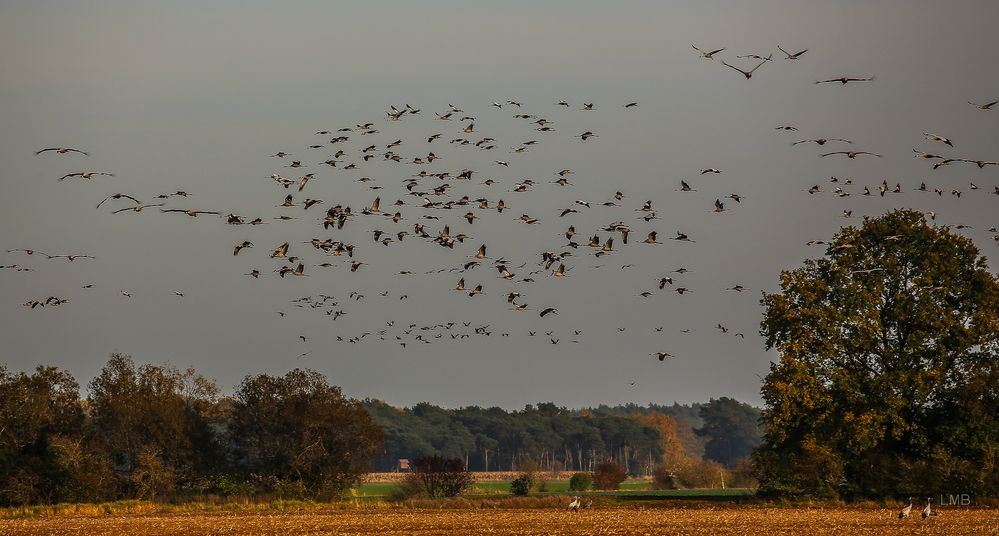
(195, 96)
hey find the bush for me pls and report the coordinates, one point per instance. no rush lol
(815, 472)
(442, 477)
(663, 478)
(410, 487)
(701, 474)
(531, 470)
(742, 475)
(608, 476)
(152, 478)
(229, 486)
(521, 486)
(290, 489)
(581, 482)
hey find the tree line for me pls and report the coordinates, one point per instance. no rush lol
(554, 438)
(157, 432)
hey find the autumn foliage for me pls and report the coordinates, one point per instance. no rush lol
(156, 432)
(889, 367)
(608, 476)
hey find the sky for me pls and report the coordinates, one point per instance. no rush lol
(196, 96)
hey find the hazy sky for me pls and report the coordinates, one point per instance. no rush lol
(195, 96)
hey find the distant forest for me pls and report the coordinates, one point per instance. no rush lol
(638, 438)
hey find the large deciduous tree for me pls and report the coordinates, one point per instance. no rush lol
(41, 423)
(154, 423)
(887, 382)
(674, 457)
(298, 428)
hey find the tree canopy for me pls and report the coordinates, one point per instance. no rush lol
(153, 425)
(300, 428)
(156, 432)
(732, 429)
(40, 419)
(887, 379)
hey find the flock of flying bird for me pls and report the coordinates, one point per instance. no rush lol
(439, 207)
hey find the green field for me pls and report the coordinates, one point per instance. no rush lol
(631, 488)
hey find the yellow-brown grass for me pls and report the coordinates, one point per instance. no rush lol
(386, 520)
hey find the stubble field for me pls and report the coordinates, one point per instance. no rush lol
(724, 520)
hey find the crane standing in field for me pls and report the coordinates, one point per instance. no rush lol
(906, 510)
(929, 511)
